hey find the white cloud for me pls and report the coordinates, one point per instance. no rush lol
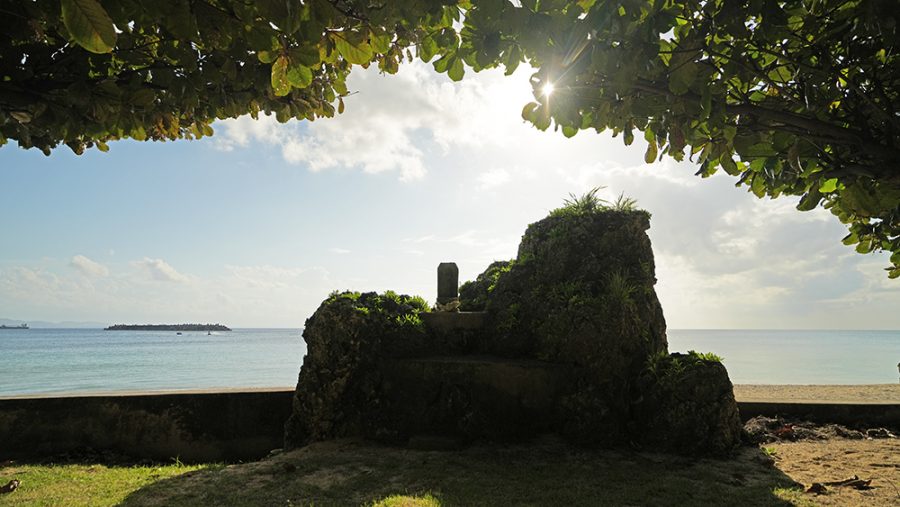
(493, 178)
(339, 251)
(388, 122)
(158, 269)
(272, 277)
(88, 267)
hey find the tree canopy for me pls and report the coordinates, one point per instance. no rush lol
(791, 97)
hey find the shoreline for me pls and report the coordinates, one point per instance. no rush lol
(145, 392)
(859, 394)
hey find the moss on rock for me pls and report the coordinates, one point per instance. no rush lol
(473, 295)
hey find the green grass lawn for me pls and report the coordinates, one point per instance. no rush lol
(72, 485)
(348, 472)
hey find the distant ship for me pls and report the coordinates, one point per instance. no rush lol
(21, 326)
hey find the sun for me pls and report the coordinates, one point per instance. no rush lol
(547, 90)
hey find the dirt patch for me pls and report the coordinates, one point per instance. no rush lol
(822, 461)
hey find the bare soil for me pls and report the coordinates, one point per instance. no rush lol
(838, 459)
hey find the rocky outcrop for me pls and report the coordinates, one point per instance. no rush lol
(339, 391)
(572, 340)
(687, 405)
(581, 291)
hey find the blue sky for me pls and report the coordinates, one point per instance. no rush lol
(255, 226)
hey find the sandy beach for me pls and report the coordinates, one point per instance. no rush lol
(861, 394)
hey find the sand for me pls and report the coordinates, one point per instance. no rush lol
(861, 394)
(148, 392)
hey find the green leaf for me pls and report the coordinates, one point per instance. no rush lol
(266, 56)
(729, 165)
(426, 49)
(143, 97)
(285, 14)
(280, 83)
(706, 102)
(758, 187)
(651, 154)
(443, 63)
(381, 43)
(528, 111)
(138, 133)
(456, 70)
(89, 25)
(829, 185)
(513, 57)
(810, 200)
(299, 76)
(569, 131)
(681, 79)
(780, 74)
(358, 54)
(541, 118)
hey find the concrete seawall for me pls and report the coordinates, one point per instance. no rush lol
(233, 426)
(194, 427)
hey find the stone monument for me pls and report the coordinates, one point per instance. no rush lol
(447, 287)
(568, 337)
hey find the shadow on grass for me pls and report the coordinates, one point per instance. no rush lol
(547, 472)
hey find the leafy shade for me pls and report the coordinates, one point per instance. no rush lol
(84, 72)
(790, 97)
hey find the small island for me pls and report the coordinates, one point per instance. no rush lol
(167, 327)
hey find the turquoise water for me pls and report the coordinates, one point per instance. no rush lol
(46, 361)
(41, 361)
(798, 357)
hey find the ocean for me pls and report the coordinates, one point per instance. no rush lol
(47, 361)
(84, 361)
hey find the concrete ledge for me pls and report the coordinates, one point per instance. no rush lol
(227, 426)
(450, 321)
(868, 415)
